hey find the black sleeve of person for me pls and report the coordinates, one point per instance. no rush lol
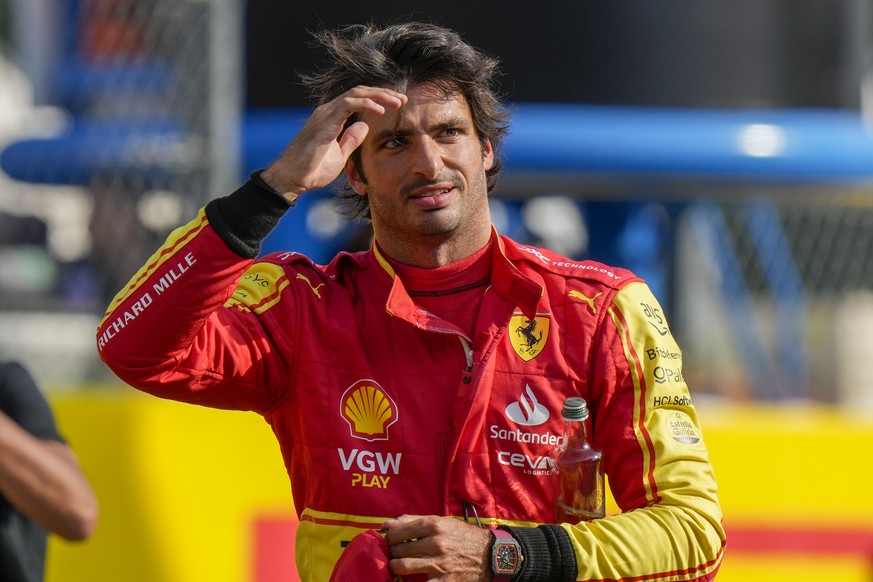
(22, 401)
(548, 553)
(245, 218)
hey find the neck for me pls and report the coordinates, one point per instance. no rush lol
(432, 252)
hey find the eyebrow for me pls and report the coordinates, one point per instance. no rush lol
(399, 132)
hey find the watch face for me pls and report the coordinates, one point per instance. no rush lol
(506, 558)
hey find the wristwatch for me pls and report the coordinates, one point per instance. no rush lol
(506, 555)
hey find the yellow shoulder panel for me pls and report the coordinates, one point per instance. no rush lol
(259, 289)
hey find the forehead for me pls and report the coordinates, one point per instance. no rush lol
(427, 106)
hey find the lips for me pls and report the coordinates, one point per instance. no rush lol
(432, 198)
(432, 195)
(431, 191)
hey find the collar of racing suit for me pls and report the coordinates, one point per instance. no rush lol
(506, 280)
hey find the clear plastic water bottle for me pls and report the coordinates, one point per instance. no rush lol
(581, 495)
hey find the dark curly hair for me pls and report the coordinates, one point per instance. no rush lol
(411, 53)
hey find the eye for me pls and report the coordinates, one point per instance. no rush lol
(394, 143)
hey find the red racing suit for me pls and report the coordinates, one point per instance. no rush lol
(382, 409)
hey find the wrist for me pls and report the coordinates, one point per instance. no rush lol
(244, 218)
(274, 179)
(548, 553)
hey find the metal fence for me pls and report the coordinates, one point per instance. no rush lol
(126, 120)
(775, 301)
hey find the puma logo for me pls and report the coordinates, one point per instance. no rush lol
(585, 298)
(308, 282)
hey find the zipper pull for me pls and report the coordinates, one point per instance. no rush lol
(468, 354)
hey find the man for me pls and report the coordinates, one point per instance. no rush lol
(42, 487)
(416, 388)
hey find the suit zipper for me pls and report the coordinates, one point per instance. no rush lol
(468, 354)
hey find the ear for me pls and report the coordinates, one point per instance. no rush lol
(487, 155)
(355, 178)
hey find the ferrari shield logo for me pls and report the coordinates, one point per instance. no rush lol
(528, 336)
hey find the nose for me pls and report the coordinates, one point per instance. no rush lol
(428, 158)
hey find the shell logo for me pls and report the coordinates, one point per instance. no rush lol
(369, 410)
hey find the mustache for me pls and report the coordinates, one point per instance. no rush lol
(407, 189)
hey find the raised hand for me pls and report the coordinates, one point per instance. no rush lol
(318, 153)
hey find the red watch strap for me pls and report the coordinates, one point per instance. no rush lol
(501, 534)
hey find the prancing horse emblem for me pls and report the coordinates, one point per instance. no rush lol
(529, 335)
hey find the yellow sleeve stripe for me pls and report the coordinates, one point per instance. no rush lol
(373, 522)
(174, 242)
(635, 366)
(695, 573)
(341, 520)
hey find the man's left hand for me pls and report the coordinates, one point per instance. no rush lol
(444, 548)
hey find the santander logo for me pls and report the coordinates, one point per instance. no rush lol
(527, 411)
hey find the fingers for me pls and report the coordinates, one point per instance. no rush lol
(407, 528)
(411, 541)
(361, 99)
(327, 120)
(374, 99)
(353, 137)
(442, 547)
(320, 149)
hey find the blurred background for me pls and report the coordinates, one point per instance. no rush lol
(722, 150)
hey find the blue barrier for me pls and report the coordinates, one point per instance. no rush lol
(759, 146)
(751, 145)
(88, 150)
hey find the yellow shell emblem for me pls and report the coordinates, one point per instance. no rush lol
(369, 410)
(529, 336)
